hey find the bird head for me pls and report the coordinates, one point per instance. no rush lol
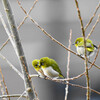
(79, 41)
(44, 62)
(36, 64)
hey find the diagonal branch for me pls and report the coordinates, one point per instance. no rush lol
(98, 6)
(93, 27)
(14, 68)
(4, 44)
(28, 14)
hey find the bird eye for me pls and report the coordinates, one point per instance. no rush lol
(36, 65)
(77, 41)
(42, 63)
(42, 60)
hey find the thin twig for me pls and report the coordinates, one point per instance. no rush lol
(4, 44)
(8, 33)
(68, 61)
(64, 82)
(21, 95)
(12, 66)
(19, 49)
(53, 39)
(36, 95)
(95, 57)
(86, 60)
(28, 14)
(2, 89)
(12, 95)
(97, 21)
(19, 25)
(4, 82)
(98, 6)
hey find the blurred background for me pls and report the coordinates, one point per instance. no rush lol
(57, 17)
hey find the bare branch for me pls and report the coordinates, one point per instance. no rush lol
(86, 60)
(93, 27)
(14, 68)
(28, 13)
(2, 89)
(68, 61)
(19, 50)
(4, 44)
(98, 6)
(62, 81)
(8, 33)
(4, 83)
(21, 95)
(12, 95)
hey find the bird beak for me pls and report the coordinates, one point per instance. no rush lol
(73, 44)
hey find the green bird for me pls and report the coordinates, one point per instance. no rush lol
(50, 68)
(90, 47)
(37, 67)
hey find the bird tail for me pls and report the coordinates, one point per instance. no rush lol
(60, 75)
(95, 46)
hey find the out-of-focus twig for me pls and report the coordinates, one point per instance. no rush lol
(12, 66)
(12, 95)
(19, 50)
(2, 89)
(97, 21)
(4, 83)
(98, 6)
(68, 61)
(21, 95)
(7, 31)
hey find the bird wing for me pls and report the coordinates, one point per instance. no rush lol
(89, 46)
(55, 66)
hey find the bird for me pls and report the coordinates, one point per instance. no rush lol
(50, 68)
(37, 67)
(90, 47)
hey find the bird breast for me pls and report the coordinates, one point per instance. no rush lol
(50, 72)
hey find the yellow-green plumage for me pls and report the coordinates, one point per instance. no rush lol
(37, 67)
(50, 68)
(79, 43)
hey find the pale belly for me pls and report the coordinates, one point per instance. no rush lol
(81, 51)
(49, 72)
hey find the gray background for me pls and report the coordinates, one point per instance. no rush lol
(57, 17)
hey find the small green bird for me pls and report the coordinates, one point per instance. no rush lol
(50, 68)
(37, 67)
(90, 47)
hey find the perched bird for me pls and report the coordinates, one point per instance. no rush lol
(90, 47)
(37, 67)
(50, 68)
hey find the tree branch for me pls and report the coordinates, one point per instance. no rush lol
(22, 59)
